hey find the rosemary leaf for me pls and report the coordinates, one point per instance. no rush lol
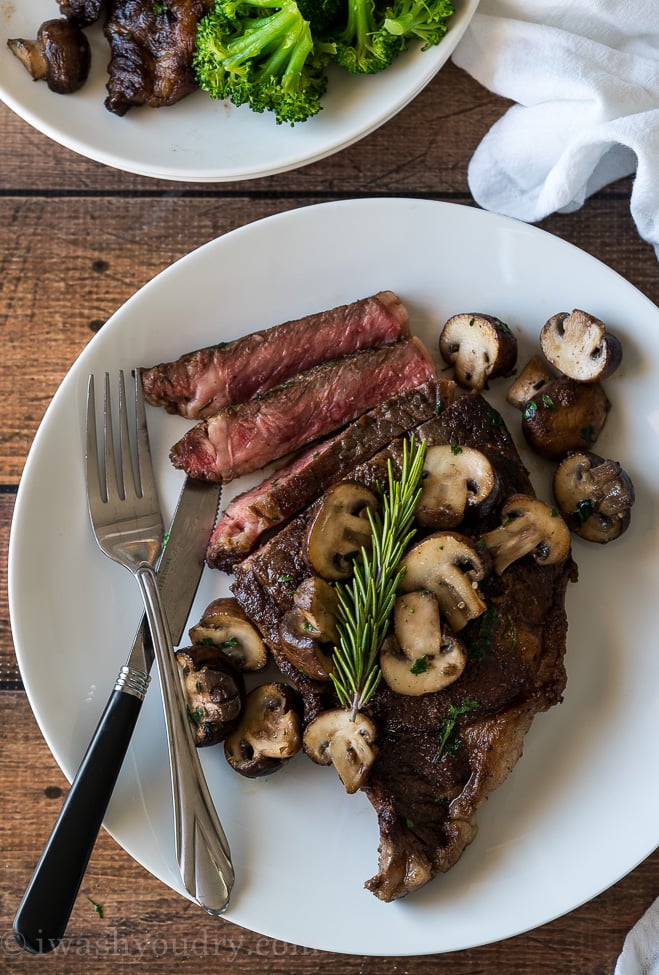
(366, 601)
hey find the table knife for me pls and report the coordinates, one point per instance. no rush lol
(44, 911)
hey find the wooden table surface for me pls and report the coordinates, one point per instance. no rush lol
(77, 240)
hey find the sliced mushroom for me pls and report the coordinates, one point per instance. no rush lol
(564, 416)
(421, 657)
(224, 625)
(530, 381)
(454, 478)
(479, 347)
(269, 733)
(307, 632)
(594, 495)
(60, 55)
(215, 693)
(528, 526)
(340, 529)
(318, 603)
(579, 345)
(336, 738)
(450, 566)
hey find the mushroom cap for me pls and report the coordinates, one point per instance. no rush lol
(214, 690)
(269, 732)
(60, 55)
(224, 625)
(414, 674)
(303, 650)
(579, 345)
(564, 416)
(595, 496)
(529, 526)
(479, 347)
(308, 631)
(336, 738)
(340, 529)
(318, 604)
(450, 565)
(533, 377)
(454, 478)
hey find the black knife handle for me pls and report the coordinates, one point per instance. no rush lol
(44, 911)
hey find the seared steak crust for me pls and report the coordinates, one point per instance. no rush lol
(246, 437)
(289, 490)
(427, 802)
(151, 50)
(200, 383)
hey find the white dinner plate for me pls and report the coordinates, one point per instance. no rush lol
(581, 808)
(199, 139)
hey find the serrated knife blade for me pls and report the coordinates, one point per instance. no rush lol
(44, 911)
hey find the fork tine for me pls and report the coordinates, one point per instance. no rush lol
(94, 490)
(127, 468)
(113, 474)
(144, 463)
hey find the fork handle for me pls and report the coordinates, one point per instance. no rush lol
(202, 850)
(44, 911)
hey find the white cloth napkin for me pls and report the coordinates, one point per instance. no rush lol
(640, 952)
(585, 77)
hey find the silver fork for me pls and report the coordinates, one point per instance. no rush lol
(128, 525)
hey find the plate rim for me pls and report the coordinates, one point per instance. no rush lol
(106, 156)
(248, 228)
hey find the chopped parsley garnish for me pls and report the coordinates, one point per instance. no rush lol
(97, 907)
(584, 510)
(446, 740)
(420, 665)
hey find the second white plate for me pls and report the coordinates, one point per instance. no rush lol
(198, 139)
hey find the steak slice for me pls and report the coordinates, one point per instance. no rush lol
(246, 437)
(270, 504)
(426, 800)
(151, 51)
(202, 382)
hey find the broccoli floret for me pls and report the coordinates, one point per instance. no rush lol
(418, 19)
(363, 46)
(323, 15)
(261, 53)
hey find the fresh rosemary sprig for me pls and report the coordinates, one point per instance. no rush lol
(366, 602)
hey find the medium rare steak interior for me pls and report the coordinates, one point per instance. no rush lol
(293, 487)
(247, 436)
(200, 383)
(440, 754)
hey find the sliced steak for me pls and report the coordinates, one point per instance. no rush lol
(288, 491)
(244, 438)
(201, 383)
(151, 51)
(427, 801)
